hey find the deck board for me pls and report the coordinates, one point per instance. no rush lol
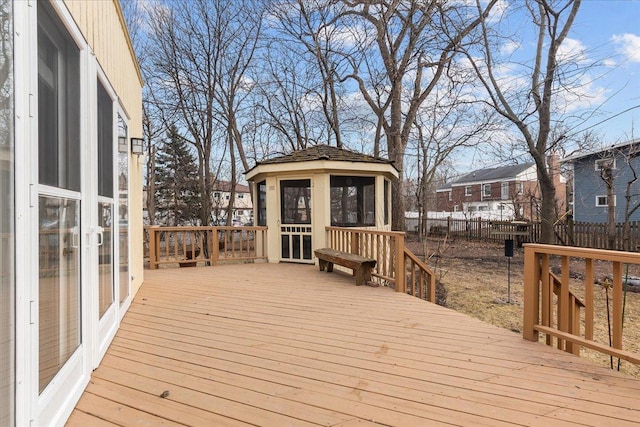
(285, 344)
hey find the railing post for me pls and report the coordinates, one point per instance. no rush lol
(432, 288)
(210, 245)
(215, 240)
(154, 244)
(401, 281)
(531, 294)
(355, 243)
(617, 305)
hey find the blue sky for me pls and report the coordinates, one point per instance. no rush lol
(610, 30)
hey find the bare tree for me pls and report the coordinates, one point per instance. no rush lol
(531, 110)
(449, 121)
(407, 47)
(238, 28)
(620, 164)
(201, 52)
(308, 24)
(284, 87)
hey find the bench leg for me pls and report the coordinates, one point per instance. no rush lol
(323, 263)
(363, 275)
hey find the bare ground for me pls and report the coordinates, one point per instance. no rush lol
(476, 277)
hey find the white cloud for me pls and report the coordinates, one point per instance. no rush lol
(628, 45)
(498, 11)
(609, 63)
(509, 47)
(572, 50)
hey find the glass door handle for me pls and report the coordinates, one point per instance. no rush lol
(100, 233)
(75, 238)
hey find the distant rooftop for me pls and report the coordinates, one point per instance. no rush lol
(490, 174)
(619, 146)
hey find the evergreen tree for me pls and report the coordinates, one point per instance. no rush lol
(177, 196)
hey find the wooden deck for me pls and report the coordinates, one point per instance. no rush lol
(285, 344)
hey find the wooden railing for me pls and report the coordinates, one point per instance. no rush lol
(396, 265)
(540, 285)
(574, 314)
(188, 246)
(421, 280)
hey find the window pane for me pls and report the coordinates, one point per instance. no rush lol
(123, 214)
(352, 201)
(58, 103)
(59, 305)
(262, 203)
(105, 255)
(7, 233)
(105, 143)
(295, 199)
(386, 202)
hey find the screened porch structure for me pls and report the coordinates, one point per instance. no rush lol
(298, 195)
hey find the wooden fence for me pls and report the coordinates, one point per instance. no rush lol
(568, 233)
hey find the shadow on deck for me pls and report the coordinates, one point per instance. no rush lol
(285, 344)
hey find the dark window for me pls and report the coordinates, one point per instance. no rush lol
(105, 143)
(58, 103)
(295, 201)
(387, 206)
(352, 201)
(262, 203)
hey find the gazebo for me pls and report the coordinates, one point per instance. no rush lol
(298, 195)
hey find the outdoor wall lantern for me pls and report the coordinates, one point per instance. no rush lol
(122, 144)
(137, 146)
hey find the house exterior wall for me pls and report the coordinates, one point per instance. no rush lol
(588, 185)
(242, 204)
(523, 197)
(112, 47)
(456, 199)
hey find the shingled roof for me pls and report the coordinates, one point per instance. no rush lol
(490, 174)
(325, 152)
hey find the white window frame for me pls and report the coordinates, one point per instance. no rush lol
(450, 195)
(606, 201)
(486, 193)
(599, 162)
(468, 190)
(504, 191)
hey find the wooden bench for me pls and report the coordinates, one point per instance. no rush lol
(360, 265)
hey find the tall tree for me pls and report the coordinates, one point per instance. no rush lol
(238, 28)
(200, 51)
(531, 109)
(307, 25)
(406, 47)
(177, 196)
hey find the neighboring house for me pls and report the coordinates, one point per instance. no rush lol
(590, 192)
(70, 212)
(507, 192)
(242, 205)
